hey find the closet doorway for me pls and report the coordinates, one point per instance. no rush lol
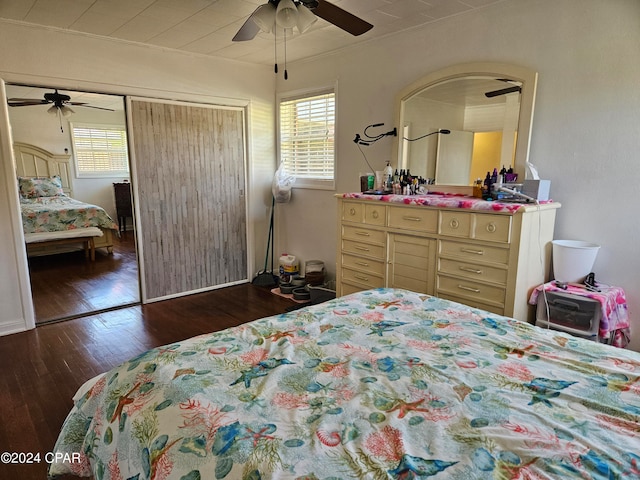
(79, 131)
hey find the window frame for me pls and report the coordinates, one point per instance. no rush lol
(95, 173)
(310, 183)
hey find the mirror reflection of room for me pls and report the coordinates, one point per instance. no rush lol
(80, 138)
(482, 113)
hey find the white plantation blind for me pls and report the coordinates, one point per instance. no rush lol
(307, 132)
(100, 150)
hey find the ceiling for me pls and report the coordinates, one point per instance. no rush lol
(207, 26)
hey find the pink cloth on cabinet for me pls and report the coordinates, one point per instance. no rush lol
(615, 315)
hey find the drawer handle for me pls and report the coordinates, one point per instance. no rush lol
(352, 211)
(362, 264)
(471, 270)
(491, 228)
(361, 277)
(469, 289)
(454, 223)
(475, 252)
(363, 234)
(362, 249)
(412, 219)
(375, 214)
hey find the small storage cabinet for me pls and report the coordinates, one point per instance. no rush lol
(577, 315)
(124, 208)
(601, 315)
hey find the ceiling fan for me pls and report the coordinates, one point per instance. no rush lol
(514, 87)
(289, 14)
(59, 103)
(503, 91)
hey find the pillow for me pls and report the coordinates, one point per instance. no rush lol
(40, 187)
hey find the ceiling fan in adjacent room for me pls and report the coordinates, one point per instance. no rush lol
(515, 87)
(300, 14)
(59, 103)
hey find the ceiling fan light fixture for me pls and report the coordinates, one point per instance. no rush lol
(306, 18)
(286, 14)
(52, 110)
(66, 111)
(265, 17)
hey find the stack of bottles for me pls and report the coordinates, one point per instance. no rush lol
(496, 178)
(403, 183)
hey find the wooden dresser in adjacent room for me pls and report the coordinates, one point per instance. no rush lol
(124, 209)
(479, 255)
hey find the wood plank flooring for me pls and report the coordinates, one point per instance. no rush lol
(68, 285)
(42, 368)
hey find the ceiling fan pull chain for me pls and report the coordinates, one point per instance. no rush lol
(275, 48)
(60, 118)
(286, 75)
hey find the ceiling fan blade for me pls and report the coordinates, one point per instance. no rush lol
(341, 18)
(503, 91)
(75, 104)
(25, 102)
(248, 30)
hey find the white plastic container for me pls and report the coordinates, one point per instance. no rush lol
(573, 259)
(289, 266)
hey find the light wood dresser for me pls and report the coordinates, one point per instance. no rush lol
(482, 255)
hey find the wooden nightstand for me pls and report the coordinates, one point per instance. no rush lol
(123, 204)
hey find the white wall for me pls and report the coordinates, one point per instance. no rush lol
(70, 61)
(586, 127)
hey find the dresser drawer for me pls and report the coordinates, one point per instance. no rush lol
(493, 228)
(479, 291)
(359, 248)
(416, 219)
(471, 271)
(364, 213)
(347, 289)
(375, 267)
(455, 224)
(365, 280)
(474, 303)
(472, 252)
(352, 212)
(375, 215)
(358, 234)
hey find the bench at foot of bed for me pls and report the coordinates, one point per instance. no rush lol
(85, 236)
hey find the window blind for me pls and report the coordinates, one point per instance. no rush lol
(100, 150)
(307, 132)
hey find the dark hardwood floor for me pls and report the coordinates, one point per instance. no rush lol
(42, 368)
(69, 285)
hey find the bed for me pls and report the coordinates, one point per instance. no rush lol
(384, 383)
(53, 221)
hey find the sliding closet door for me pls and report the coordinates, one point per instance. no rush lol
(190, 183)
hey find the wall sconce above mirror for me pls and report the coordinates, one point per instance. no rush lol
(488, 107)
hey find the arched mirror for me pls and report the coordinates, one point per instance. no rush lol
(488, 109)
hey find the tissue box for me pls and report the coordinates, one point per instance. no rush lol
(538, 189)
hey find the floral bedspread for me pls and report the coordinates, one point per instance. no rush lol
(379, 384)
(52, 214)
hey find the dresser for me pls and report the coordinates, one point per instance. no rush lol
(481, 254)
(124, 209)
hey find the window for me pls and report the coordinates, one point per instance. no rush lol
(307, 132)
(100, 150)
